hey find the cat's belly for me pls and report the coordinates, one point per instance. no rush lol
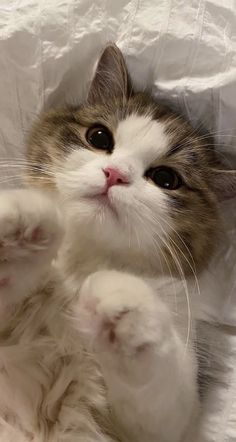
(46, 394)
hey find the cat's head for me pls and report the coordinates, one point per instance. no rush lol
(135, 175)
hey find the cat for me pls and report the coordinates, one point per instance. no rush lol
(97, 254)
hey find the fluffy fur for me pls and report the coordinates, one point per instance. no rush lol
(96, 338)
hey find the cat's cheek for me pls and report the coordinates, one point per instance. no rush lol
(82, 175)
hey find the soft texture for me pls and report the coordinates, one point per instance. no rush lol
(186, 51)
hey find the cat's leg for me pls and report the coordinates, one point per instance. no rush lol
(30, 234)
(149, 371)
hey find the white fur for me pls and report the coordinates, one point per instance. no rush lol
(140, 214)
(150, 378)
(20, 215)
(130, 325)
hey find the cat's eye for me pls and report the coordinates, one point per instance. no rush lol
(100, 138)
(164, 177)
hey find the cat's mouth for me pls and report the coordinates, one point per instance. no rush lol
(105, 201)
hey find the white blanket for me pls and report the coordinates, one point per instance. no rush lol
(185, 49)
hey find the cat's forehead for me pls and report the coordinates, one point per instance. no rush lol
(143, 135)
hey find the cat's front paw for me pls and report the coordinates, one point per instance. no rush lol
(30, 234)
(29, 225)
(121, 314)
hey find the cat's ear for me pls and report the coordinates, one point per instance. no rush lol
(224, 182)
(111, 78)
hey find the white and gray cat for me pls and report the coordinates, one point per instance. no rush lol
(97, 330)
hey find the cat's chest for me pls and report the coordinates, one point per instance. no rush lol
(79, 258)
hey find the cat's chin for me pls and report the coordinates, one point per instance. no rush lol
(95, 212)
(106, 204)
(98, 219)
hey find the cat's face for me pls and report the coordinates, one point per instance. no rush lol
(133, 173)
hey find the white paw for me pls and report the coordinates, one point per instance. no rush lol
(29, 224)
(30, 234)
(121, 314)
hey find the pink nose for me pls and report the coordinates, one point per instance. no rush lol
(115, 177)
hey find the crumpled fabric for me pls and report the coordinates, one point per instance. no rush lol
(184, 50)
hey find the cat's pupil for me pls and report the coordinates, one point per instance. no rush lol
(164, 177)
(100, 138)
